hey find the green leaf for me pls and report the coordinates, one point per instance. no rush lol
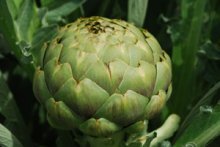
(13, 7)
(58, 14)
(26, 21)
(42, 35)
(24, 17)
(210, 51)
(186, 35)
(9, 109)
(137, 11)
(47, 2)
(195, 110)
(7, 139)
(7, 28)
(204, 127)
(209, 62)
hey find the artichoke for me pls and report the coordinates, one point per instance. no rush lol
(102, 76)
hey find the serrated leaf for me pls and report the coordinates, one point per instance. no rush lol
(27, 20)
(7, 139)
(204, 127)
(13, 7)
(137, 11)
(9, 28)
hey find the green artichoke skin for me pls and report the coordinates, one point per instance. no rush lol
(101, 76)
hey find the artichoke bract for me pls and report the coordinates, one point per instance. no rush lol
(101, 76)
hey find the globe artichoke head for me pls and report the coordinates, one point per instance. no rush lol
(102, 75)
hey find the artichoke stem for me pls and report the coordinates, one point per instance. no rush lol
(137, 139)
(166, 130)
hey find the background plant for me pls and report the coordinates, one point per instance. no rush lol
(187, 29)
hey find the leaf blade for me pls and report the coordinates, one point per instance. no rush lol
(200, 132)
(7, 139)
(137, 11)
(8, 108)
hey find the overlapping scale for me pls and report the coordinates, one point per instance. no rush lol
(123, 109)
(140, 79)
(56, 74)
